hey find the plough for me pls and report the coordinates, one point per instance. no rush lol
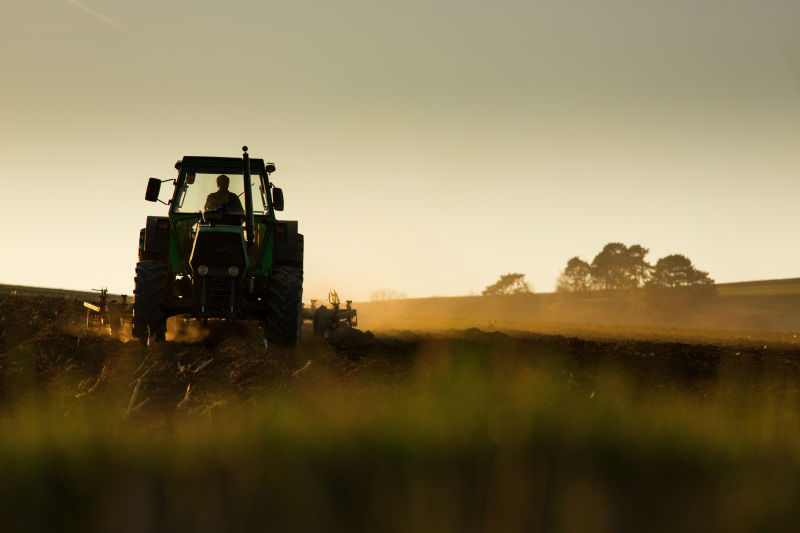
(325, 320)
(106, 312)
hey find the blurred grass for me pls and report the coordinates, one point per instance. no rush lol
(474, 437)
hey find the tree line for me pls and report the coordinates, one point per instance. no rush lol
(625, 267)
(509, 284)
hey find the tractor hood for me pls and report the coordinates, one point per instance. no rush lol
(219, 248)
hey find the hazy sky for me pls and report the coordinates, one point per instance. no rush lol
(424, 146)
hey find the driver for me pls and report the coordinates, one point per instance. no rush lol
(224, 199)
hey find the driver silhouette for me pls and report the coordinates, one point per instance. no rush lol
(224, 199)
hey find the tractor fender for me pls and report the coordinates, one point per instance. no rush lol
(288, 247)
(155, 244)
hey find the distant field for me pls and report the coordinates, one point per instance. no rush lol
(752, 306)
(775, 287)
(755, 288)
(771, 305)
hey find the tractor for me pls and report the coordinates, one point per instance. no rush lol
(213, 258)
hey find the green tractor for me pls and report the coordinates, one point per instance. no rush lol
(214, 258)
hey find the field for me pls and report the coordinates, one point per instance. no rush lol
(735, 308)
(448, 415)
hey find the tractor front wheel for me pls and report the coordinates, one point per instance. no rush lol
(284, 305)
(149, 285)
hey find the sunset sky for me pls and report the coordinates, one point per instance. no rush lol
(424, 146)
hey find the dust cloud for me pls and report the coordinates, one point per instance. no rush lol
(182, 329)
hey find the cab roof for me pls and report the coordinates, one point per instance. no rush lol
(222, 165)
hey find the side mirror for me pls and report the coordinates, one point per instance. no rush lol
(153, 188)
(277, 199)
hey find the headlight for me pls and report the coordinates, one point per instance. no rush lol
(202, 270)
(233, 271)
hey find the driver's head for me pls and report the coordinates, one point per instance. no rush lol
(222, 182)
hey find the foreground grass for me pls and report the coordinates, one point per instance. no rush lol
(463, 442)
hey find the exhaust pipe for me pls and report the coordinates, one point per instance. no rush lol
(249, 221)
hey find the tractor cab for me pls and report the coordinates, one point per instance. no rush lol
(207, 199)
(211, 196)
(221, 194)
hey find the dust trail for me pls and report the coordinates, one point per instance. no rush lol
(107, 20)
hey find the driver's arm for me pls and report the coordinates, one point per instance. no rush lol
(236, 205)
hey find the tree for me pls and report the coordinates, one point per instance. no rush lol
(609, 267)
(640, 270)
(620, 267)
(678, 271)
(576, 277)
(512, 283)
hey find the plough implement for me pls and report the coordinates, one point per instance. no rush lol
(325, 320)
(107, 313)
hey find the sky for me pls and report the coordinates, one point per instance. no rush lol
(424, 146)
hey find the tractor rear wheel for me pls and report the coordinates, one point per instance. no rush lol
(284, 305)
(149, 285)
